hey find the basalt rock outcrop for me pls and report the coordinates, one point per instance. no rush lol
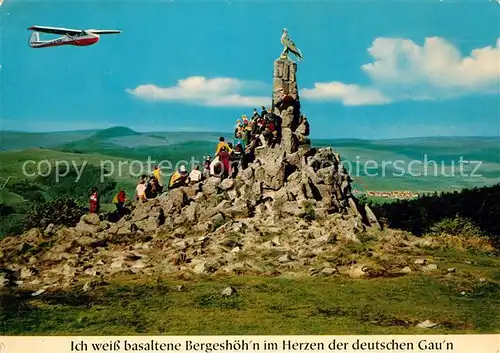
(286, 212)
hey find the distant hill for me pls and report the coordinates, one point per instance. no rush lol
(126, 143)
(117, 131)
(16, 141)
(119, 136)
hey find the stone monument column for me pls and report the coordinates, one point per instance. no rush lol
(285, 80)
(293, 133)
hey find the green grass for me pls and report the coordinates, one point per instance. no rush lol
(443, 150)
(12, 166)
(10, 198)
(14, 140)
(12, 161)
(268, 306)
(172, 153)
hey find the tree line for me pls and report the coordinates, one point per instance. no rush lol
(48, 202)
(479, 206)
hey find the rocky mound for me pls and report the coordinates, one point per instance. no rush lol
(286, 212)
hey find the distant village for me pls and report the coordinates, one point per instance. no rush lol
(399, 195)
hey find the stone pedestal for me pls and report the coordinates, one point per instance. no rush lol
(285, 82)
(284, 77)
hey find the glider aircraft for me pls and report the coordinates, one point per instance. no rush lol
(77, 37)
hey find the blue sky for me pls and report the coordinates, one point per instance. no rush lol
(370, 70)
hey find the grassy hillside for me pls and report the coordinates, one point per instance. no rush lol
(13, 161)
(442, 148)
(10, 198)
(461, 302)
(118, 136)
(400, 173)
(25, 187)
(13, 140)
(126, 143)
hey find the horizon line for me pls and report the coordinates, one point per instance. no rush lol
(229, 132)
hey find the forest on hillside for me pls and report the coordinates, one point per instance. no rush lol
(48, 201)
(473, 211)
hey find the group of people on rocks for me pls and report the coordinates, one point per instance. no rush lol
(149, 186)
(228, 159)
(182, 177)
(261, 130)
(119, 201)
(227, 162)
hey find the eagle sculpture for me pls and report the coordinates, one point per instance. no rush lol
(289, 46)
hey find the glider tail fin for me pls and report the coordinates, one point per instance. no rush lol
(35, 38)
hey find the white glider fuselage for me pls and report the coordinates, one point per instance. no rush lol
(81, 40)
(78, 37)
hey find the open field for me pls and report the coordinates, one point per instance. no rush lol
(134, 305)
(10, 198)
(14, 140)
(12, 162)
(11, 168)
(420, 164)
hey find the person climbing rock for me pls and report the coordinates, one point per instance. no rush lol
(206, 166)
(238, 132)
(270, 133)
(256, 114)
(237, 162)
(152, 188)
(222, 143)
(94, 204)
(247, 133)
(119, 201)
(264, 112)
(179, 178)
(225, 160)
(285, 101)
(157, 174)
(140, 191)
(230, 150)
(195, 175)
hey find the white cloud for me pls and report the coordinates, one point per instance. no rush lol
(200, 90)
(347, 94)
(437, 63)
(404, 70)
